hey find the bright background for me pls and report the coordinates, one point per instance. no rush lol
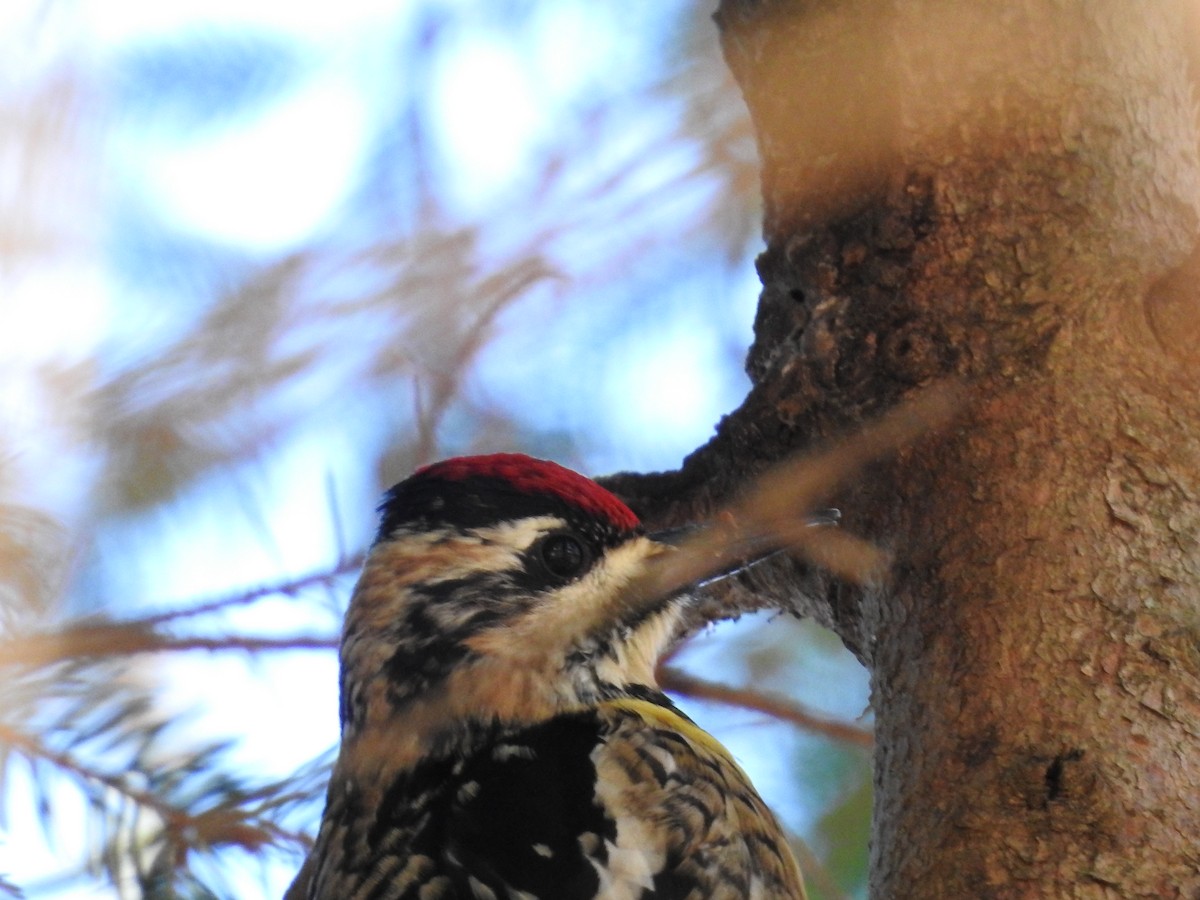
(260, 259)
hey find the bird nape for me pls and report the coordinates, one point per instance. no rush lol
(502, 732)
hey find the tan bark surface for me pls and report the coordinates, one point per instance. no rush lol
(1009, 194)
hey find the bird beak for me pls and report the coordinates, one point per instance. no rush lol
(674, 537)
(708, 552)
(678, 535)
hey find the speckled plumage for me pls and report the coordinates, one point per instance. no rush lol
(627, 799)
(502, 735)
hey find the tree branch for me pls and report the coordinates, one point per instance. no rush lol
(287, 588)
(126, 638)
(679, 682)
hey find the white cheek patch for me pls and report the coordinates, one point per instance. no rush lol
(576, 640)
(590, 605)
(596, 599)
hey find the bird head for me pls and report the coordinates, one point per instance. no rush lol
(499, 589)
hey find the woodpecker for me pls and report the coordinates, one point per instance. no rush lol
(503, 736)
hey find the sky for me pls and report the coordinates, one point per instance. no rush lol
(245, 129)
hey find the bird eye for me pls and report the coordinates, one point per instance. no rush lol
(565, 555)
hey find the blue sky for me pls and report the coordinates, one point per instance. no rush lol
(228, 135)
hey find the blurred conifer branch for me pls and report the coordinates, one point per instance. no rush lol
(327, 579)
(382, 315)
(31, 545)
(677, 681)
(154, 802)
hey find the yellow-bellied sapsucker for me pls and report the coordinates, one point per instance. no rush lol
(502, 733)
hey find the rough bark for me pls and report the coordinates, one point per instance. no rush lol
(1008, 193)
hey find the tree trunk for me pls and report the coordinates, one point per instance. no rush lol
(1007, 193)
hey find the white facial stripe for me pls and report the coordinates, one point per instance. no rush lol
(519, 535)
